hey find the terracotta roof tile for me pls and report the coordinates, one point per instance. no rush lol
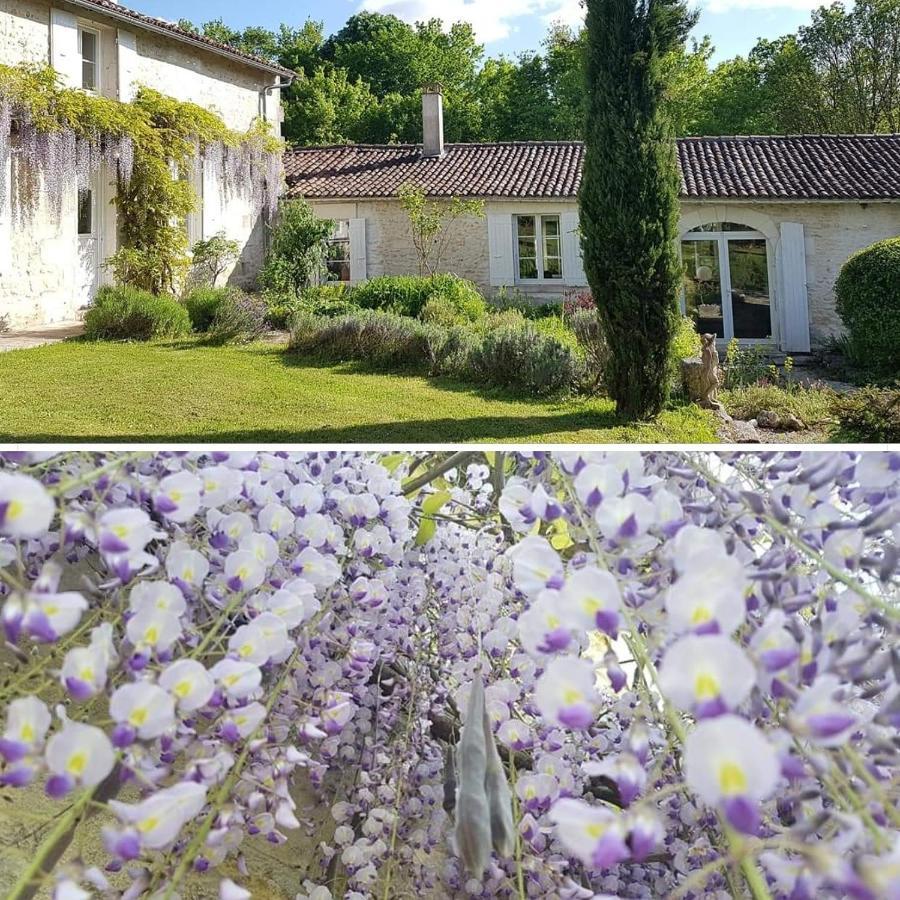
(123, 12)
(801, 167)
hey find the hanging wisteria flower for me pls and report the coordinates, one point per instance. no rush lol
(178, 496)
(142, 710)
(820, 717)
(625, 518)
(186, 566)
(27, 723)
(730, 764)
(541, 629)
(536, 566)
(706, 674)
(189, 682)
(156, 595)
(79, 755)
(156, 822)
(242, 722)
(239, 678)
(775, 646)
(47, 617)
(591, 599)
(566, 693)
(153, 630)
(244, 571)
(592, 833)
(708, 598)
(26, 509)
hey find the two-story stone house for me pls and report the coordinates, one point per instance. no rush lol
(51, 267)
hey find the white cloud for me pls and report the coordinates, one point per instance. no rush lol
(492, 20)
(724, 6)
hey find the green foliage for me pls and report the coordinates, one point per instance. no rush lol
(813, 405)
(868, 302)
(406, 295)
(296, 256)
(202, 304)
(686, 342)
(441, 311)
(156, 268)
(745, 365)
(585, 324)
(518, 357)
(126, 313)
(629, 195)
(212, 257)
(431, 223)
(870, 415)
(239, 319)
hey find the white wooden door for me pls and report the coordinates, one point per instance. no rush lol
(87, 276)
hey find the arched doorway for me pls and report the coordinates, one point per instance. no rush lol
(728, 281)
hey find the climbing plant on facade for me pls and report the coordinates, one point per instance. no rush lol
(154, 147)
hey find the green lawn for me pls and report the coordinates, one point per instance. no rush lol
(80, 391)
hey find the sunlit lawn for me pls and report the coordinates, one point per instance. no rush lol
(80, 391)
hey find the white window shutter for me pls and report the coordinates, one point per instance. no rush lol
(794, 302)
(212, 202)
(500, 249)
(64, 55)
(573, 266)
(128, 65)
(358, 262)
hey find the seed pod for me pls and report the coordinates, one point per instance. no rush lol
(473, 822)
(503, 835)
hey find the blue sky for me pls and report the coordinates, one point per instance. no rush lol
(505, 26)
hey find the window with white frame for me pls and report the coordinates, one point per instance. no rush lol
(89, 51)
(538, 248)
(337, 253)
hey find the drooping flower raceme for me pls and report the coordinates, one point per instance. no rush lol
(688, 662)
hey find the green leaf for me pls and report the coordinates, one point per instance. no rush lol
(430, 505)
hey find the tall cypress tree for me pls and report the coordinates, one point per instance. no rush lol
(629, 194)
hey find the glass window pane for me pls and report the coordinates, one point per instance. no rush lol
(550, 225)
(85, 212)
(89, 76)
(525, 226)
(552, 267)
(750, 301)
(723, 226)
(88, 46)
(703, 286)
(527, 268)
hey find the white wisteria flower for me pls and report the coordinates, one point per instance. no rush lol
(178, 496)
(536, 566)
(189, 682)
(730, 764)
(566, 692)
(158, 820)
(594, 834)
(590, 599)
(142, 709)
(27, 723)
(706, 674)
(26, 509)
(708, 597)
(78, 755)
(239, 678)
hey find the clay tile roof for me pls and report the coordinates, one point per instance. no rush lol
(802, 167)
(130, 15)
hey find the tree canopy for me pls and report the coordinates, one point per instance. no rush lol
(840, 73)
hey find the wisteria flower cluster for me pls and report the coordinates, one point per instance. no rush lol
(561, 675)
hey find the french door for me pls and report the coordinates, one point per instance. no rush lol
(727, 278)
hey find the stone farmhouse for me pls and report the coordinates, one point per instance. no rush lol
(51, 268)
(766, 222)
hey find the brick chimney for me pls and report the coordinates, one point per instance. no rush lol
(432, 121)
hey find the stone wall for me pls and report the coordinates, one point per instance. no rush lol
(39, 261)
(833, 232)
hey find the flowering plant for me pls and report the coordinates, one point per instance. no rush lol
(564, 675)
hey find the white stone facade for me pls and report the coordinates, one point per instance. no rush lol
(43, 266)
(829, 232)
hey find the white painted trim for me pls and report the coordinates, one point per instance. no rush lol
(500, 249)
(126, 48)
(90, 28)
(795, 308)
(64, 56)
(358, 252)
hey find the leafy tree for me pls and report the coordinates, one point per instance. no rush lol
(431, 223)
(296, 256)
(326, 107)
(211, 257)
(629, 194)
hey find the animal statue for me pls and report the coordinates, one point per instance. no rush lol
(710, 376)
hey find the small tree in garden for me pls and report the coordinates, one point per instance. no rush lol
(210, 258)
(431, 223)
(296, 257)
(629, 194)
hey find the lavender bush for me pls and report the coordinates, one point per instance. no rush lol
(565, 675)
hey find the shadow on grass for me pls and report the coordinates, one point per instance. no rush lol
(293, 360)
(447, 430)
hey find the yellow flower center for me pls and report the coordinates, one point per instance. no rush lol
(595, 829)
(732, 780)
(148, 824)
(138, 716)
(77, 762)
(701, 614)
(571, 695)
(50, 609)
(86, 674)
(120, 530)
(151, 635)
(174, 496)
(245, 650)
(706, 687)
(14, 510)
(27, 732)
(182, 689)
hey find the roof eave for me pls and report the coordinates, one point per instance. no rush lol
(186, 38)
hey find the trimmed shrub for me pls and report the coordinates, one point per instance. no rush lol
(441, 311)
(505, 300)
(525, 358)
(239, 319)
(383, 340)
(870, 415)
(406, 295)
(296, 255)
(202, 303)
(129, 314)
(585, 323)
(868, 301)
